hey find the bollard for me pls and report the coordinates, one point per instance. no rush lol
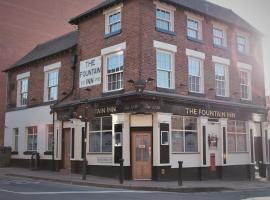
(180, 181)
(121, 172)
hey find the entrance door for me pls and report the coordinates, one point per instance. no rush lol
(141, 156)
(214, 144)
(66, 149)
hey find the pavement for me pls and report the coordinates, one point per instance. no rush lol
(172, 186)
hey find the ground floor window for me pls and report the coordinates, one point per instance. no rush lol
(237, 136)
(184, 134)
(16, 139)
(100, 138)
(50, 137)
(31, 138)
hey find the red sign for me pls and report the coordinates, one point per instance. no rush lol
(213, 162)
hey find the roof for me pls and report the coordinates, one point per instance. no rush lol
(48, 48)
(201, 6)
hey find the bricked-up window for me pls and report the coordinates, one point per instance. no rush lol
(23, 91)
(184, 134)
(53, 85)
(31, 138)
(245, 82)
(164, 61)
(100, 137)
(193, 29)
(163, 19)
(242, 44)
(115, 71)
(195, 74)
(237, 136)
(221, 73)
(218, 37)
(15, 139)
(50, 137)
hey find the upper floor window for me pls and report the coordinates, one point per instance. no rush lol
(245, 89)
(221, 77)
(32, 138)
(164, 17)
(23, 91)
(113, 20)
(219, 36)
(164, 69)
(53, 85)
(195, 72)
(242, 44)
(115, 71)
(194, 26)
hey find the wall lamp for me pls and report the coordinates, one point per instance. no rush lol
(140, 83)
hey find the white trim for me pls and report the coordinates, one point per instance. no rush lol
(201, 62)
(164, 6)
(167, 8)
(197, 18)
(196, 54)
(244, 66)
(110, 12)
(22, 76)
(113, 9)
(52, 67)
(115, 48)
(165, 46)
(221, 60)
(223, 27)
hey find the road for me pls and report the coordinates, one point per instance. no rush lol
(27, 189)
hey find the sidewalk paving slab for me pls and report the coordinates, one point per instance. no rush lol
(172, 186)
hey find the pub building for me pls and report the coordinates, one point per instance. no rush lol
(150, 82)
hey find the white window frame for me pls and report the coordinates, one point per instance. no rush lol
(107, 52)
(199, 20)
(166, 8)
(246, 46)
(243, 67)
(246, 85)
(235, 134)
(27, 134)
(47, 137)
(226, 80)
(15, 137)
(20, 78)
(172, 55)
(161, 138)
(201, 76)
(222, 28)
(48, 69)
(110, 12)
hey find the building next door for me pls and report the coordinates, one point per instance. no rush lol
(142, 155)
(66, 148)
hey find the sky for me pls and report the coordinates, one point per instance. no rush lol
(257, 13)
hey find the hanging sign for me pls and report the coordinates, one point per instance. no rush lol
(90, 72)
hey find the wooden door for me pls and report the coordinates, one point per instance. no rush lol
(141, 156)
(66, 149)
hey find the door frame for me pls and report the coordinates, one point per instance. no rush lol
(146, 130)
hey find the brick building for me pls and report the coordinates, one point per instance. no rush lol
(26, 23)
(156, 82)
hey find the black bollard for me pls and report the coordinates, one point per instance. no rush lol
(121, 172)
(180, 181)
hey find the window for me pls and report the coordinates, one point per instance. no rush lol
(31, 138)
(195, 75)
(219, 37)
(194, 27)
(118, 133)
(23, 92)
(164, 69)
(52, 85)
(164, 138)
(115, 71)
(113, 21)
(242, 44)
(184, 134)
(221, 80)
(16, 139)
(100, 140)
(50, 137)
(163, 20)
(237, 136)
(245, 85)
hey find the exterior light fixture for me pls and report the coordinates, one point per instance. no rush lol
(140, 84)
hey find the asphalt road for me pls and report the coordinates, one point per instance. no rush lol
(27, 189)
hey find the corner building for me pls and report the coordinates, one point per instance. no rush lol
(156, 82)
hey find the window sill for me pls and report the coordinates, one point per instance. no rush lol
(246, 101)
(195, 40)
(14, 153)
(99, 153)
(108, 35)
(48, 153)
(223, 98)
(220, 47)
(241, 152)
(165, 31)
(166, 90)
(185, 152)
(243, 54)
(196, 94)
(29, 152)
(120, 91)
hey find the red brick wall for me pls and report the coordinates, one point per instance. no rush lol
(26, 23)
